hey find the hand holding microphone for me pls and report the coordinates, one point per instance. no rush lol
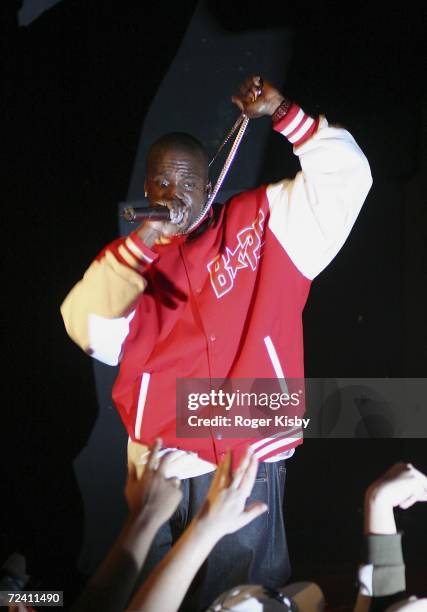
(139, 214)
(158, 223)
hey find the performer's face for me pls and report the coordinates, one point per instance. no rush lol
(178, 177)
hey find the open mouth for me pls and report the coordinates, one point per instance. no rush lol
(179, 213)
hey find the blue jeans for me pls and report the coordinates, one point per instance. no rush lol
(256, 554)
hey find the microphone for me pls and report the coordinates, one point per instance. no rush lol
(138, 214)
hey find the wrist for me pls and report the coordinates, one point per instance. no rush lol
(207, 530)
(148, 235)
(281, 109)
(379, 515)
(135, 531)
(142, 521)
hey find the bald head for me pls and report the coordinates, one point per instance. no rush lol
(179, 142)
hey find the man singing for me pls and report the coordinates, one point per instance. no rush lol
(224, 300)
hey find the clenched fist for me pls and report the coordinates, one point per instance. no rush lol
(257, 97)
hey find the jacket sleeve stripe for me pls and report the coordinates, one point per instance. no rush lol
(266, 450)
(294, 123)
(137, 251)
(290, 446)
(275, 437)
(295, 137)
(128, 258)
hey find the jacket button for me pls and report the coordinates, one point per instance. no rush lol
(212, 337)
(198, 290)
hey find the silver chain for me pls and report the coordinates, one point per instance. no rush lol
(242, 124)
(227, 138)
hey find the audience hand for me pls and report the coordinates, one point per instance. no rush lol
(153, 496)
(402, 485)
(224, 508)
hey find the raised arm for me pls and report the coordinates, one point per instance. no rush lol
(312, 214)
(382, 576)
(152, 499)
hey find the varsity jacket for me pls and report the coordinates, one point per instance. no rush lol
(227, 303)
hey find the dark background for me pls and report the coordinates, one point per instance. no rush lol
(78, 83)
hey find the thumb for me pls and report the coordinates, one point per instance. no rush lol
(252, 512)
(408, 502)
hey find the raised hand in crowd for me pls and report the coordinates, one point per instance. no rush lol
(151, 499)
(223, 512)
(401, 486)
(382, 576)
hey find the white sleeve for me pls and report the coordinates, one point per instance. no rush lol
(106, 337)
(312, 215)
(98, 310)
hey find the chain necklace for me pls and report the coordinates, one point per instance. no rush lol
(241, 124)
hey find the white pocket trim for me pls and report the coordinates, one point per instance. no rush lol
(141, 403)
(274, 358)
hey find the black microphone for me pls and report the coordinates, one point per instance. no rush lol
(138, 214)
